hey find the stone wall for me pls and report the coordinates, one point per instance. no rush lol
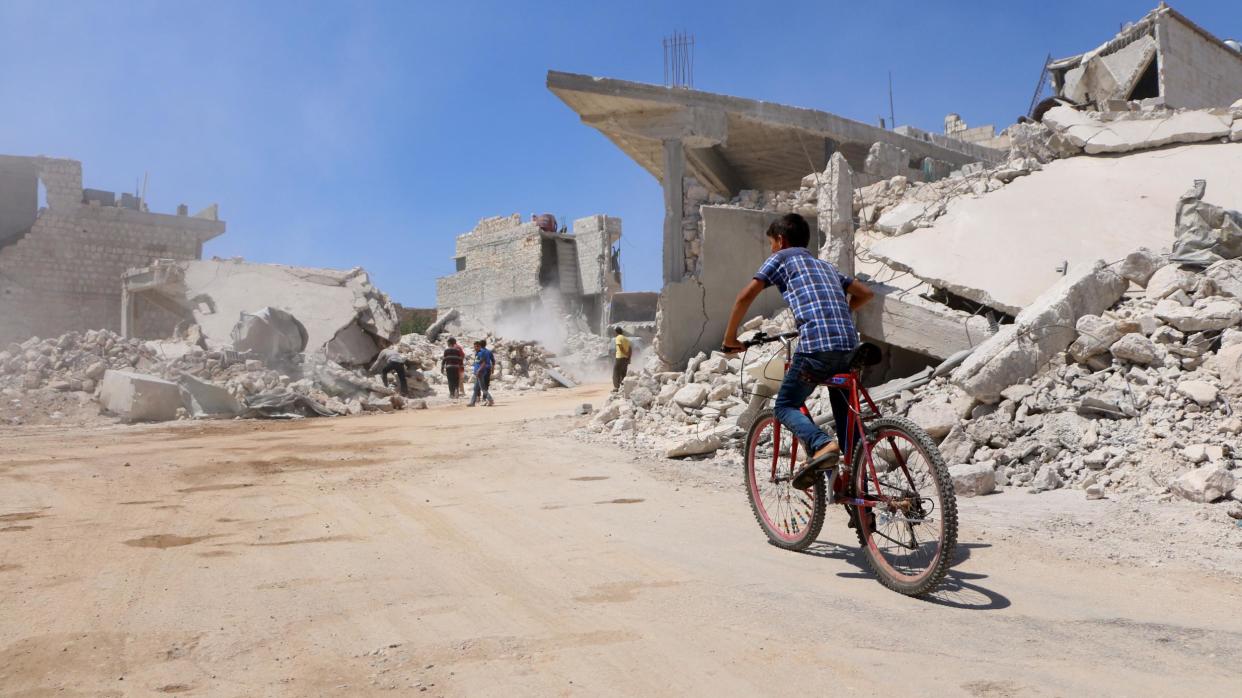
(502, 265)
(65, 273)
(1196, 73)
(502, 258)
(594, 237)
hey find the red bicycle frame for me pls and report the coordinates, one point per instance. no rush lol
(855, 433)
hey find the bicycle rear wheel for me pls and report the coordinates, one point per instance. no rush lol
(791, 518)
(909, 534)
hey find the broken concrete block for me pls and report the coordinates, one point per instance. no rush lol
(693, 396)
(135, 397)
(204, 399)
(1228, 363)
(1214, 315)
(1095, 335)
(1136, 348)
(1167, 280)
(1204, 484)
(1201, 392)
(560, 378)
(938, 415)
(694, 446)
(957, 447)
(1046, 479)
(1227, 274)
(1139, 265)
(973, 479)
(1043, 329)
(901, 218)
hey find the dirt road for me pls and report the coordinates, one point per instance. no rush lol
(459, 551)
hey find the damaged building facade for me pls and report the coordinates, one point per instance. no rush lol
(61, 264)
(1163, 58)
(728, 166)
(511, 268)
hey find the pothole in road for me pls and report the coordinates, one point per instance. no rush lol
(623, 500)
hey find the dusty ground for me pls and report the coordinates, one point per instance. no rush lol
(486, 552)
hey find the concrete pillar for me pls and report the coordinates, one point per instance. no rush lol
(835, 210)
(127, 313)
(674, 239)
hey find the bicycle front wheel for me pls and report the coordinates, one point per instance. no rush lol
(791, 518)
(908, 529)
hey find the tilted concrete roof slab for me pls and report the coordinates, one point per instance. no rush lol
(732, 143)
(1003, 249)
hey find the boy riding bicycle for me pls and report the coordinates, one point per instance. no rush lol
(821, 299)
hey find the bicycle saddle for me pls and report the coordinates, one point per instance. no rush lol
(866, 354)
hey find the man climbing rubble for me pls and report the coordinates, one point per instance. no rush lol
(391, 361)
(821, 299)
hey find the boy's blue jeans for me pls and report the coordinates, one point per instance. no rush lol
(806, 373)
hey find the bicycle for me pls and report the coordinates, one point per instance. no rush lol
(891, 479)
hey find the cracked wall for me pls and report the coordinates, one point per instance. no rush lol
(693, 312)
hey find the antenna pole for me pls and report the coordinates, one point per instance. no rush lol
(892, 120)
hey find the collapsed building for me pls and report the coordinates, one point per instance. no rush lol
(1163, 58)
(722, 162)
(61, 263)
(507, 268)
(340, 312)
(1100, 346)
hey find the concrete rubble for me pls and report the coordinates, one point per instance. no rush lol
(340, 312)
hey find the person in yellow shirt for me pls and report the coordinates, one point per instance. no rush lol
(621, 366)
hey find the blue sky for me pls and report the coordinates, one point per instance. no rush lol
(370, 134)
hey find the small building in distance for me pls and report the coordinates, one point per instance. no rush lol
(507, 268)
(61, 263)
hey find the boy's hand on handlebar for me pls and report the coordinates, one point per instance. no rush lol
(732, 346)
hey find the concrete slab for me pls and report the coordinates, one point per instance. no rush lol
(136, 397)
(1124, 134)
(340, 310)
(1003, 249)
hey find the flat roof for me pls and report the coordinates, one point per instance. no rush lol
(768, 147)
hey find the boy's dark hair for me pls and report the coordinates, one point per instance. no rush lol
(452, 341)
(482, 342)
(793, 228)
(619, 330)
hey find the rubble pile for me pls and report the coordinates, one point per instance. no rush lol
(76, 362)
(699, 410)
(1139, 402)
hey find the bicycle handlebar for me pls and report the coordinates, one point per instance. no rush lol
(762, 338)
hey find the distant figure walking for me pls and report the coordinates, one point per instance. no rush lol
(453, 366)
(484, 361)
(621, 365)
(391, 361)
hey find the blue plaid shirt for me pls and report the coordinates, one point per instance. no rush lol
(815, 291)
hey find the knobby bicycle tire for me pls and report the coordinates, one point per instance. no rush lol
(948, 508)
(818, 493)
